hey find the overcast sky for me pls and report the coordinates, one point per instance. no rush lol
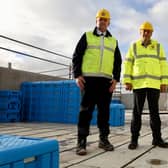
(57, 25)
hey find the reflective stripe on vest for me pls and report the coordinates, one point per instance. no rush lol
(142, 77)
(147, 55)
(98, 47)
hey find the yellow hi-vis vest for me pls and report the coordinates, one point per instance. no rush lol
(145, 67)
(99, 56)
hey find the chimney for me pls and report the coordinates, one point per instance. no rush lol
(9, 65)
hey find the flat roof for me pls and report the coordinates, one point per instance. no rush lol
(145, 156)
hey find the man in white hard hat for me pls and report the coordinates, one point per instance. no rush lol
(96, 68)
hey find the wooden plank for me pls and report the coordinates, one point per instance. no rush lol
(70, 158)
(117, 159)
(14, 130)
(156, 157)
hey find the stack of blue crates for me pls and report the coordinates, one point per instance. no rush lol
(42, 101)
(52, 101)
(59, 101)
(26, 152)
(10, 104)
(71, 104)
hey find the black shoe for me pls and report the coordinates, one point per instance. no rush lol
(81, 147)
(105, 144)
(133, 145)
(81, 151)
(160, 144)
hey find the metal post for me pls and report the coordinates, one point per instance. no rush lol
(70, 71)
(9, 65)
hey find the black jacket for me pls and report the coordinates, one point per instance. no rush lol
(80, 50)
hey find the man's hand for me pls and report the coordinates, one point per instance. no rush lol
(80, 81)
(128, 86)
(113, 85)
(163, 88)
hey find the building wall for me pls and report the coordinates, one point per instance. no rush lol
(127, 100)
(10, 79)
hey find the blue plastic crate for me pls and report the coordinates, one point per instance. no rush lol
(117, 114)
(10, 106)
(51, 101)
(9, 117)
(24, 152)
(10, 94)
(44, 103)
(10, 101)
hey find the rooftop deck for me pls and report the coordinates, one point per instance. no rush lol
(146, 156)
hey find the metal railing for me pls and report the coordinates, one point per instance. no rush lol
(67, 67)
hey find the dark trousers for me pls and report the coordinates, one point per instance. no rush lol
(96, 92)
(153, 103)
